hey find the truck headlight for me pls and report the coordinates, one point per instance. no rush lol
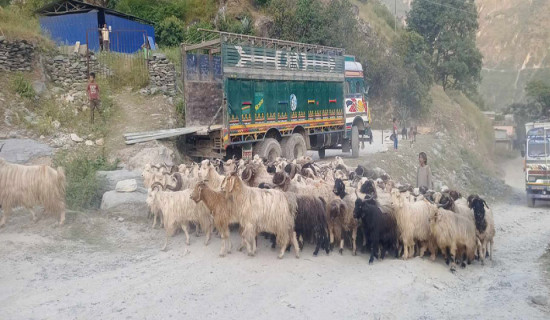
(532, 178)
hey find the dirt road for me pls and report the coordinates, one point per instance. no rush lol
(96, 267)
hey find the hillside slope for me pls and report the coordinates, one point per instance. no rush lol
(514, 37)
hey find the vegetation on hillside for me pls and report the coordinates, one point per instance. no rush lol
(449, 30)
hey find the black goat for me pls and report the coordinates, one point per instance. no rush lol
(339, 188)
(478, 206)
(311, 221)
(380, 228)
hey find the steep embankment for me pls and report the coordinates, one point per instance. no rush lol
(514, 36)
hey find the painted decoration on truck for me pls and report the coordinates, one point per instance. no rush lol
(259, 108)
(271, 59)
(293, 102)
(354, 105)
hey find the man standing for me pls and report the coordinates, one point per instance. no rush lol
(93, 96)
(105, 37)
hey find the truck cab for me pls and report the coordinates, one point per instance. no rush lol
(537, 162)
(357, 111)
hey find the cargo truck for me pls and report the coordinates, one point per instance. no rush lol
(247, 95)
(537, 161)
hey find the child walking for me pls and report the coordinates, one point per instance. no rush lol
(93, 96)
(424, 173)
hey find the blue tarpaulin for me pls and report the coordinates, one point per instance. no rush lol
(127, 36)
(69, 28)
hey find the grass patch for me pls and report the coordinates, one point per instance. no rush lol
(22, 86)
(80, 167)
(173, 54)
(49, 111)
(16, 23)
(125, 69)
(378, 16)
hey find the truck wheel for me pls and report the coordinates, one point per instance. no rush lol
(354, 142)
(321, 153)
(294, 146)
(268, 149)
(530, 202)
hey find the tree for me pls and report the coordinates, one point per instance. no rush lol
(538, 92)
(449, 30)
(170, 32)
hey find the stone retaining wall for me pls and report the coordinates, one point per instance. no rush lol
(15, 55)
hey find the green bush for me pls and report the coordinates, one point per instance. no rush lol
(23, 86)
(80, 170)
(171, 31)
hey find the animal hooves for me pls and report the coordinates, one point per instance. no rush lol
(354, 253)
(279, 257)
(463, 265)
(222, 255)
(341, 251)
(315, 253)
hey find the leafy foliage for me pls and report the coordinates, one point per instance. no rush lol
(80, 170)
(449, 29)
(538, 92)
(170, 32)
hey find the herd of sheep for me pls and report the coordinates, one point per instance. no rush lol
(292, 203)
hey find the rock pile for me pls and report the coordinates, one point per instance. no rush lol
(162, 75)
(15, 55)
(68, 70)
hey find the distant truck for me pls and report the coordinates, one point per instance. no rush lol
(247, 95)
(537, 161)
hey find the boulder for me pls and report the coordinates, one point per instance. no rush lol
(89, 143)
(108, 179)
(129, 185)
(22, 151)
(131, 203)
(159, 154)
(76, 138)
(100, 142)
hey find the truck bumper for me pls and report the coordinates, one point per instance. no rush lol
(538, 192)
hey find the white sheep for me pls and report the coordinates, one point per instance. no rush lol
(178, 210)
(29, 186)
(261, 210)
(412, 221)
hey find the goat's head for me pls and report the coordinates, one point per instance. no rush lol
(455, 195)
(358, 210)
(339, 188)
(280, 178)
(229, 182)
(397, 198)
(196, 195)
(248, 173)
(368, 187)
(179, 182)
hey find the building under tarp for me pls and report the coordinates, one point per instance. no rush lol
(70, 21)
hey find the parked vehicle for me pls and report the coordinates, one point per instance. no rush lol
(248, 95)
(537, 162)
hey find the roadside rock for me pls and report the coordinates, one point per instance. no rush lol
(89, 143)
(76, 138)
(100, 142)
(22, 151)
(129, 185)
(108, 179)
(539, 300)
(130, 203)
(159, 154)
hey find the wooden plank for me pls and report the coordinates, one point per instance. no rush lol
(131, 134)
(150, 137)
(202, 45)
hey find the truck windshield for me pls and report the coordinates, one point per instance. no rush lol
(538, 148)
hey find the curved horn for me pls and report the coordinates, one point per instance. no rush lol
(179, 182)
(157, 185)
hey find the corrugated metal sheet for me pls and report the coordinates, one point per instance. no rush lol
(127, 36)
(69, 28)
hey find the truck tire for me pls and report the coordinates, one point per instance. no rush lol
(294, 146)
(321, 153)
(530, 202)
(268, 149)
(354, 142)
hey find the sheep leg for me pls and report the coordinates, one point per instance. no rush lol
(423, 247)
(62, 218)
(5, 216)
(154, 221)
(354, 241)
(295, 244)
(341, 250)
(34, 219)
(406, 247)
(185, 228)
(491, 250)
(165, 243)
(208, 235)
